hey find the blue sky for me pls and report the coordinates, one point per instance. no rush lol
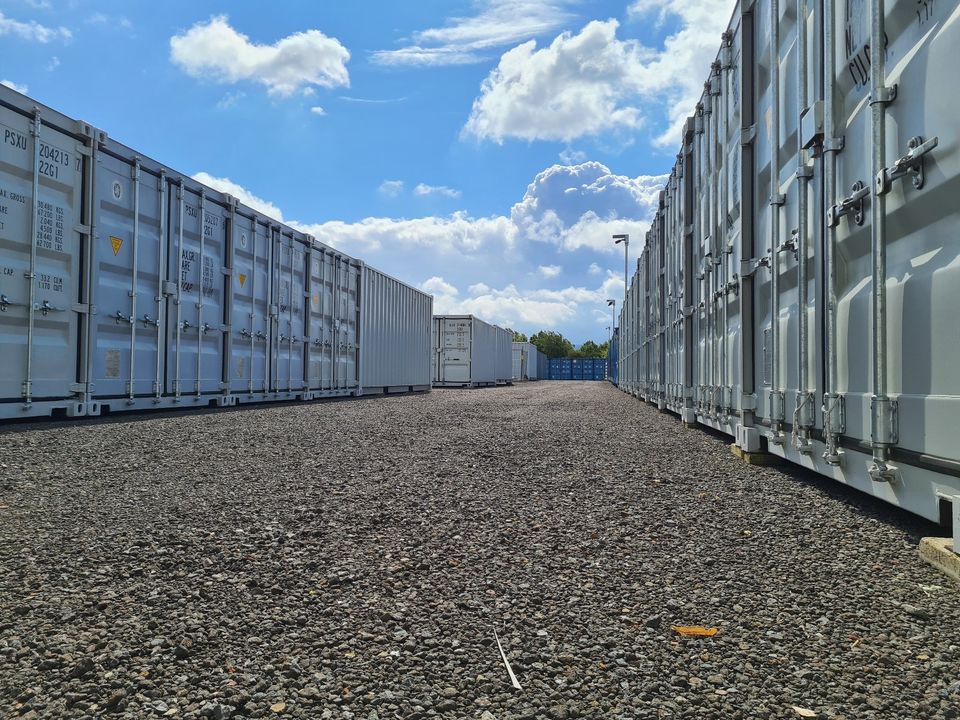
(484, 150)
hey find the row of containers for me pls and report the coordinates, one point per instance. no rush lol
(529, 363)
(125, 284)
(578, 369)
(799, 285)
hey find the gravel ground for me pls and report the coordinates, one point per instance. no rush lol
(352, 560)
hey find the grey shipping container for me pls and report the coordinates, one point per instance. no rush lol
(800, 280)
(395, 335)
(468, 352)
(526, 361)
(126, 285)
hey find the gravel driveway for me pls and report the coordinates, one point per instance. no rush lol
(352, 559)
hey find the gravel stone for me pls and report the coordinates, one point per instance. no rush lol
(352, 559)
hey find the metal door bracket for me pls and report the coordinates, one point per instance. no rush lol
(885, 95)
(791, 245)
(749, 267)
(910, 164)
(849, 205)
(778, 199)
(833, 144)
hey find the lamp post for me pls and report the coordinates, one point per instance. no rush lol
(625, 239)
(612, 304)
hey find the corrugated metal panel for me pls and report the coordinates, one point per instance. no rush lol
(799, 280)
(152, 290)
(395, 335)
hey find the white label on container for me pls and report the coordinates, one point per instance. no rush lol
(111, 364)
(117, 190)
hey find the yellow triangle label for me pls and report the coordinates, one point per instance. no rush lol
(243, 279)
(316, 299)
(116, 243)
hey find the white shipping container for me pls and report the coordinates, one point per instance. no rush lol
(526, 361)
(395, 335)
(800, 280)
(468, 352)
(126, 285)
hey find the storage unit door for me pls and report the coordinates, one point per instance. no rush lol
(346, 287)
(455, 350)
(288, 270)
(196, 313)
(250, 315)
(130, 256)
(38, 239)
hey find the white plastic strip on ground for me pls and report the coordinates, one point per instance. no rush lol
(513, 678)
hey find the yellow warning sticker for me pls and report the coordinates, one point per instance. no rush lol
(316, 299)
(243, 279)
(116, 243)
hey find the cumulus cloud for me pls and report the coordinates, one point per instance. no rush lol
(230, 100)
(391, 188)
(317, 110)
(214, 50)
(32, 31)
(568, 156)
(14, 86)
(423, 189)
(226, 185)
(581, 206)
(592, 82)
(549, 271)
(577, 206)
(462, 40)
(458, 232)
(513, 307)
(579, 85)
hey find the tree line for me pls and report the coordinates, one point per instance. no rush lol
(554, 345)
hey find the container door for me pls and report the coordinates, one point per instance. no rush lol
(196, 318)
(250, 315)
(42, 362)
(289, 276)
(130, 269)
(347, 282)
(318, 337)
(455, 350)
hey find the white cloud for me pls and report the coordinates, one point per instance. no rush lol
(679, 69)
(582, 84)
(317, 110)
(549, 271)
(462, 40)
(513, 307)
(214, 50)
(591, 83)
(15, 86)
(577, 206)
(438, 286)
(53, 64)
(423, 189)
(570, 156)
(225, 185)
(594, 269)
(372, 101)
(391, 188)
(230, 100)
(458, 232)
(100, 18)
(32, 30)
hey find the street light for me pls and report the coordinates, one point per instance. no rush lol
(612, 304)
(625, 239)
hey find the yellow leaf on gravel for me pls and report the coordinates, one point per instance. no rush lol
(278, 707)
(694, 630)
(804, 712)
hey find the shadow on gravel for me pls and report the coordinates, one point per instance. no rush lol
(870, 507)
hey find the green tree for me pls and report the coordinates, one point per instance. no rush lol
(552, 344)
(518, 336)
(591, 350)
